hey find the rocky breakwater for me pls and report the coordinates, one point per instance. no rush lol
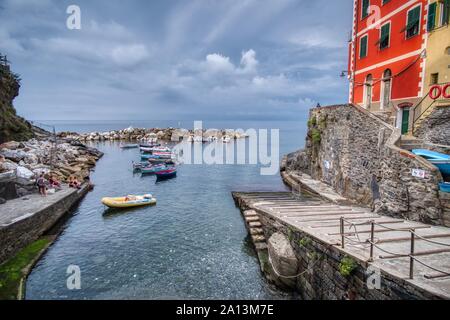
(155, 134)
(22, 162)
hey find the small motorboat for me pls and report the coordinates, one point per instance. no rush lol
(149, 157)
(444, 187)
(166, 173)
(152, 145)
(440, 160)
(129, 146)
(155, 149)
(129, 201)
(152, 169)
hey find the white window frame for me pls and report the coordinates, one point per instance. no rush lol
(362, 8)
(367, 46)
(382, 90)
(420, 21)
(390, 35)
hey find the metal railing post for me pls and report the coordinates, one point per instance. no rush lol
(342, 232)
(372, 239)
(411, 256)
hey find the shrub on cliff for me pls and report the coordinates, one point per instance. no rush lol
(12, 127)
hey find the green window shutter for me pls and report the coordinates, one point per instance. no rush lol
(413, 25)
(432, 16)
(365, 8)
(446, 12)
(384, 39)
(363, 49)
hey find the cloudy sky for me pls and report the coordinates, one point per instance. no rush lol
(176, 59)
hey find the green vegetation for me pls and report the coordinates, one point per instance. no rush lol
(316, 136)
(13, 271)
(312, 122)
(303, 242)
(12, 127)
(290, 234)
(347, 266)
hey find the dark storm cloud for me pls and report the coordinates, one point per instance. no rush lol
(176, 59)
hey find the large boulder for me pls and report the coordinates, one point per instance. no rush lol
(283, 261)
(14, 155)
(24, 173)
(12, 145)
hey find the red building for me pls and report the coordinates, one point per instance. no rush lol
(386, 56)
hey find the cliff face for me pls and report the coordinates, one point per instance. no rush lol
(12, 127)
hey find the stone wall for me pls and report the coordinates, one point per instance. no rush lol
(445, 201)
(322, 276)
(355, 152)
(27, 230)
(436, 127)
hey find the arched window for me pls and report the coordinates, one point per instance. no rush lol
(368, 91)
(386, 89)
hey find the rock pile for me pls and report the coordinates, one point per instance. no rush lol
(153, 134)
(22, 162)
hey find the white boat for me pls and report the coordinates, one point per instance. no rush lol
(226, 139)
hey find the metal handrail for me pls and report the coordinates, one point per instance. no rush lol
(373, 244)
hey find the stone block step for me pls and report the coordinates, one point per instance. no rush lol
(256, 231)
(256, 224)
(252, 219)
(250, 213)
(259, 238)
(261, 246)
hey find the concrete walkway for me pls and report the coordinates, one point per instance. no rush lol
(321, 220)
(302, 182)
(18, 209)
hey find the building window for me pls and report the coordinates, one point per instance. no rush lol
(447, 51)
(413, 24)
(446, 12)
(384, 2)
(432, 9)
(434, 79)
(365, 9)
(386, 94)
(368, 91)
(363, 46)
(385, 36)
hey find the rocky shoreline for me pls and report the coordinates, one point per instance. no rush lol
(154, 134)
(22, 162)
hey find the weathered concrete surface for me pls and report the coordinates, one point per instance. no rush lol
(302, 182)
(283, 261)
(313, 229)
(24, 220)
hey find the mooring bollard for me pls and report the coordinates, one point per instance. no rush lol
(411, 256)
(342, 232)
(372, 239)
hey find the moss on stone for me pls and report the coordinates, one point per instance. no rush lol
(14, 270)
(316, 136)
(347, 266)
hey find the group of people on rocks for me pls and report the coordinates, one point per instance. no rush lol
(52, 182)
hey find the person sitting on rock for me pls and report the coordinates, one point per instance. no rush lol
(41, 183)
(54, 183)
(73, 183)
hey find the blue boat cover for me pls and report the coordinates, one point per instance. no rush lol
(432, 155)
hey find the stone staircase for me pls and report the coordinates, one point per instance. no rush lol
(425, 115)
(255, 229)
(409, 143)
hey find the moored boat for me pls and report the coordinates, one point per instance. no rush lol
(444, 187)
(129, 201)
(440, 160)
(152, 169)
(166, 174)
(129, 146)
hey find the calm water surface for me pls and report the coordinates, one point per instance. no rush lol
(192, 244)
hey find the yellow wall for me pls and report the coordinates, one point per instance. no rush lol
(438, 60)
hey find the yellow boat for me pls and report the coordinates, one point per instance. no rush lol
(129, 201)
